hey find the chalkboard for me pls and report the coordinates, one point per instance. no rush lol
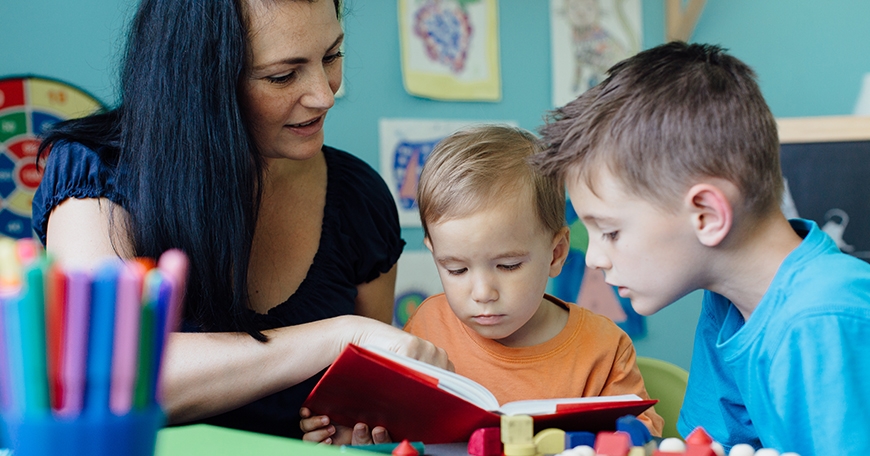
(826, 164)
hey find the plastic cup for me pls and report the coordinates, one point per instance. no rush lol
(133, 434)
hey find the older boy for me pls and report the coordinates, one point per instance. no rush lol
(673, 165)
(496, 229)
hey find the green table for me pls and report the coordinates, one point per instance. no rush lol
(205, 440)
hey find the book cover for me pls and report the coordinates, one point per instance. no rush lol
(364, 386)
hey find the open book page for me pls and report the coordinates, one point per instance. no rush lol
(450, 382)
(548, 406)
(478, 395)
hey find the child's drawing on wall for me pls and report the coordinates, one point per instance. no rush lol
(450, 49)
(588, 37)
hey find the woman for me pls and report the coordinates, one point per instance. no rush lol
(217, 149)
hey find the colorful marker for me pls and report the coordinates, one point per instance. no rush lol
(104, 292)
(75, 344)
(127, 313)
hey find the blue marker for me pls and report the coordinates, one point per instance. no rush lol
(5, 374)
(101, 339)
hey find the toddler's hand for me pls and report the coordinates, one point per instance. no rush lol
(318, 429)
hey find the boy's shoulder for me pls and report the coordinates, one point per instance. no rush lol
(816, 280)
(818, 267)
(433, 313)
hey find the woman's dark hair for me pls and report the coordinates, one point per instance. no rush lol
(191, 173)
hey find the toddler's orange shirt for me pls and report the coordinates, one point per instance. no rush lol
(591, 356)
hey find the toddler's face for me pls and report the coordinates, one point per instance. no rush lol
(494, 265)
(652, 256)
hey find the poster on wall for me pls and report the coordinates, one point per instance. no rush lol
(827, 183)
(586, 287)
(404, 146)
(416, 279)
(587, 37)
(450, 49)
(28, 107)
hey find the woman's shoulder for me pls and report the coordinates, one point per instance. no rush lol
(74, 165)
(73, 170)
(361, 219)
(354, 187)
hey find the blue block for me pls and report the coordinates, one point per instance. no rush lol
(635, 428)
(575, 439)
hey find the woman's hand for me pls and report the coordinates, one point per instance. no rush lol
(370, 332)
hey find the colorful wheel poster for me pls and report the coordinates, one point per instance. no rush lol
(28, 107)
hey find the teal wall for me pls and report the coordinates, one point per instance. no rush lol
(810, 56)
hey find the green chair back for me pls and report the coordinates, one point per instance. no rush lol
(667, 383)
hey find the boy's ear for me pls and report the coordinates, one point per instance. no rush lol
(711, 212)
(561, 246)
(427, 243)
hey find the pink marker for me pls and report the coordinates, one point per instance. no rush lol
(75, 343)
(175, 266)
(126, 341)
(28, 250)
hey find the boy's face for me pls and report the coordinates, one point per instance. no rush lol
(494, 265)
(652, 256)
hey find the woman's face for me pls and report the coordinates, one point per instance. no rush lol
(293, 72)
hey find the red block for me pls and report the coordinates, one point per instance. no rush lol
(616, 443)
(485, 442)
(699, 450)
(405, 449)
(699, 436)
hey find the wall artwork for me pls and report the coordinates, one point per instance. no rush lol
(28, 107)
(405, 145)
(587, 38)
(450, 49)
(586, 287)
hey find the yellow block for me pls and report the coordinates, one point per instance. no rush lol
(517, 429)
(550, 441)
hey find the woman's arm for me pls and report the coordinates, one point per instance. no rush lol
(208, 373)
(78, 232)
(375, 299)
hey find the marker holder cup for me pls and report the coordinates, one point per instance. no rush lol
(133, 434)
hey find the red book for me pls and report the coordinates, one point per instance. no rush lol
(420, 402)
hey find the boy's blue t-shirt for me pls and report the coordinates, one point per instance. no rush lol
(794, 377)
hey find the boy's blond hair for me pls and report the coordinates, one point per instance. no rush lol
(475, 167)
(665, 118)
